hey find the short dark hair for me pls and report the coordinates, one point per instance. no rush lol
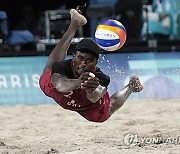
(88, 45)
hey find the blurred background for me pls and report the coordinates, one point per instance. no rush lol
(30, 29)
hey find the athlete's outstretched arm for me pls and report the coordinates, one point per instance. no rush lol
(119, 98)
(63, 84)
(60, 51)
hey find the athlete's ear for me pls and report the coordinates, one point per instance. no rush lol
(94, 68)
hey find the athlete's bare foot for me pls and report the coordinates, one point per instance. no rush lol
(135, 84)
(78, 17)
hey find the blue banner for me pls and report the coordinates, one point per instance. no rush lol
(159, 73)
(19, 80)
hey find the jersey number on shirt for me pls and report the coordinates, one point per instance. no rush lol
(72, 102)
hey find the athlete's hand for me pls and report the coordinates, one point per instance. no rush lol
(89, 83)
(84, 76)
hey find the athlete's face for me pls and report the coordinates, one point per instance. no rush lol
(83, 62)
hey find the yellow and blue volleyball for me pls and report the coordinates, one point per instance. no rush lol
(110, 35)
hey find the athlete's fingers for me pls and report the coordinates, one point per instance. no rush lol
(91, 82)
(88, 76)
(84, 76)
(88, 89)
(89, 86)
(93, 79)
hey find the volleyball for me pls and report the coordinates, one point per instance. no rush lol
(110, 35)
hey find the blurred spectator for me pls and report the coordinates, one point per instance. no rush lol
(3, 26)
(11, 37)
(130, 15)
(161, 19)
(4, 31)
(29, 20)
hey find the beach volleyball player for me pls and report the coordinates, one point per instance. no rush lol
(77, 84)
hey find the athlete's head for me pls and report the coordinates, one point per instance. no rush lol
(86, 56)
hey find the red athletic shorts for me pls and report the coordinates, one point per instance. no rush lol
(96, 112)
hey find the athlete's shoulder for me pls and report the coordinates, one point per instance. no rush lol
(63, 67)
(62, 63)
(104, 79)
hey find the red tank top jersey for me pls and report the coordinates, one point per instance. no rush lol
(76, 100)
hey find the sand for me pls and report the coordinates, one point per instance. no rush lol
(49, 129)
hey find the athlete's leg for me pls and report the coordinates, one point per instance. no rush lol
(60, 51)
(119, 98)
